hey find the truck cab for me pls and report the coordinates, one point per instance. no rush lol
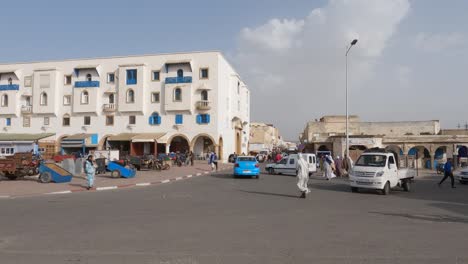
(288, 165)
(379, 170)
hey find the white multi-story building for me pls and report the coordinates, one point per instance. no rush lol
(137, 104)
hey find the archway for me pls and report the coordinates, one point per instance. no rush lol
(419, 156)
(462, 156)
(238, 127)
(323, 148)
(103, 144)
(179, 144)
(238, 143)
(398, 152)
(58, 143)
(203, 144)
(355, 151)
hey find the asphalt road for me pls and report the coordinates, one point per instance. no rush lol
(218, 219)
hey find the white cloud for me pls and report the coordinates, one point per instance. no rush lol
(297, 65)
(439, 42)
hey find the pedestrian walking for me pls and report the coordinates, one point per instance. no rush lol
(302, 176)
(329, 168)
(90, 171)
(338, 166)
(448, 172)
(215, 161)
(191, 158)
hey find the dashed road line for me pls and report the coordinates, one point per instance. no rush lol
(143, 184)
(106, 188)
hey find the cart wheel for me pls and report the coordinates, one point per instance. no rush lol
(166, 167)
(115, 174)
(45, 177)
(11, 176)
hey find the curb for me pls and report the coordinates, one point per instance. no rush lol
(115, 187)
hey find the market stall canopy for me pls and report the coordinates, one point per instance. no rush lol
(122, 137)
(148, 137)
(80, 140)
(24, 137)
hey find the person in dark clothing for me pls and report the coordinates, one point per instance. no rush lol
(448, 172)
(191, 158)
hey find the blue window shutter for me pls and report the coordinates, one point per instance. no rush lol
(94, 139)
(207, 119)
(181, 119)
(8, 121)
(151, 120)
(199, 119)
(158, 120)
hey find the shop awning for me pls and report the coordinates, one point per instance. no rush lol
(24, 137)
(122, 137)
(80, 140)
(148, 137)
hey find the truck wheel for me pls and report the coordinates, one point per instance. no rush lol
(11, 176)
(386, 189)
(463, 182)
(258, 176)
(115, 174)
(45, 177)
(271, 171)
(406, 186)
(354, 189)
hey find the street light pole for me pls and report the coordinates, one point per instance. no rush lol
(347, 114)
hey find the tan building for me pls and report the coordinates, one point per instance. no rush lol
(263, 137)
(419, 143)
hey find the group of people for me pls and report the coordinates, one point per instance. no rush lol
(328, 165)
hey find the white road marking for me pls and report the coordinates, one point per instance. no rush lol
(62, 192)
(165, 181)
(206, 172)
(143, 184)
(189, 176)
(4, 196)
(198, 174)
(106, 188)
(178, 178)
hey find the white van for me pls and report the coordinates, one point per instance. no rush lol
(288, 165)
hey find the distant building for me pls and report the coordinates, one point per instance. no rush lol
(420, 143)
(263, 137)
(137, 104)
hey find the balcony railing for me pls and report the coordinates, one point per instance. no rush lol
(9, 87)
(26, 109)
(85, 84)
(203, 105)
(109, 107)
(186, 79)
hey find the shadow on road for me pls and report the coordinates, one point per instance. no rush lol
(461, 209)
(431, 218)
(272, 194)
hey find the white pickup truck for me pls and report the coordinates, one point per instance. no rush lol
(288, 165)
(379, 170)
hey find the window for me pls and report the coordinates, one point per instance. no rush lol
(43, 99)
(87, 121)
(66, 99)
(85, 97)
(131, 120)
(10, 81)
(68, 79)
(204, 95)
(44, 81)
(180, 73)
(111, 98)
(4, 100)
(155, 76)
(177, 94)
(130, 96)
(28, 100)
(8, 121)
(238, 87)
(391, 161)
(204, 73)
(154, 119)
(26, 121)
(7, 151)
(110, 77)
(131, 76)
(155, 97)
(179, 119)
(88, 77)
(203, 119)
(291, 161)
(109, 120)
(27, 81)
(66, 120)
(46, 121)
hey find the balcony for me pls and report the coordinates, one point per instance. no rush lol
(9, 87)
(204, 105)
(26, 109)
(86, 84)
(109, 107)
(186, 79)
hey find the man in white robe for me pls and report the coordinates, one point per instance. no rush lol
(329, 164)
(302, 176)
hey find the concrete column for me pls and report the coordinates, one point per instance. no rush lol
(168, 146)
(432, 161)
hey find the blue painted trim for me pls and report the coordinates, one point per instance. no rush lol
(186, 79)
(87, 84)
(9, 87)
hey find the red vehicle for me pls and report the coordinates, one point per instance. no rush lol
(19, 165)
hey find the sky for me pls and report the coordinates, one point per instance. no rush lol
(410, 61)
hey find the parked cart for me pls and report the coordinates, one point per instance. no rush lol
(119, 170)
(19, 165)
(51, 172)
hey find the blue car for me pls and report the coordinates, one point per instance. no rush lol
(246, 166)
